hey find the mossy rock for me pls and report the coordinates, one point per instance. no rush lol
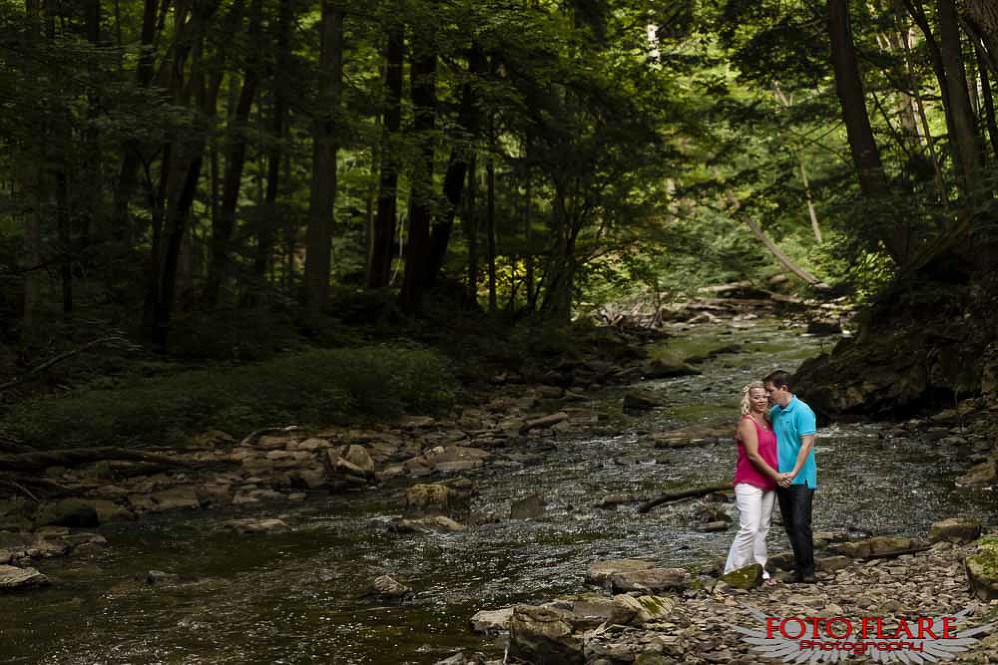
(748, 577)
(958, 530)
(68, 512)
(879, 547)
(982, 569)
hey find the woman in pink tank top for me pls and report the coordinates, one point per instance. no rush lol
(755, 480)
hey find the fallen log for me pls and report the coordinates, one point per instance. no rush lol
(38, 460)
(679, 495)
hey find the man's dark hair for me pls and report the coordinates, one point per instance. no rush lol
(779, 379)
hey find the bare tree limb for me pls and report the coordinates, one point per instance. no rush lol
(58, 359)
(783, 258)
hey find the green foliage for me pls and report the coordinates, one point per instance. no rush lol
(314, 388)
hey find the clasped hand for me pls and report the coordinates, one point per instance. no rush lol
(784, 479)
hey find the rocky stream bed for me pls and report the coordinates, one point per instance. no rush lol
(380, 546)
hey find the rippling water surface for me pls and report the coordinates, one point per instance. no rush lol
(299, 597)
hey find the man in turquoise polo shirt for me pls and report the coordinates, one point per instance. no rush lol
(795, 425)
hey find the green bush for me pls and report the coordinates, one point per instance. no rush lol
(322, 387)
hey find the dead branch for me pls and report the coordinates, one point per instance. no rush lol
(36, 461)
(58, 359)
(679, 495)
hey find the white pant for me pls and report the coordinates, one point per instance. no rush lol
(755, 508)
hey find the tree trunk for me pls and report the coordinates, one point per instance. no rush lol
(319, 235)
(981, 19)
(65, 239)
(424, 101)
(235, 162)
(967, 149)
(279, 110)
(127, 182)
(989, 102)
(471, 228)
(490, 215)
(383, 235)
(849, 88)
(457, 167)
(528, 238)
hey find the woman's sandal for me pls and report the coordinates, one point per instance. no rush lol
(771, 582)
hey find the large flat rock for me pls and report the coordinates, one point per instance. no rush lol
(12, 577)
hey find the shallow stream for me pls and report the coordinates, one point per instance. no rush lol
(299, 597)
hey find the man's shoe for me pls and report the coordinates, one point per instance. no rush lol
(808, 579)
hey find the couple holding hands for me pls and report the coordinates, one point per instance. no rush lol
(775, 464)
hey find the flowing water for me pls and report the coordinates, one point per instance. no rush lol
(300, 597)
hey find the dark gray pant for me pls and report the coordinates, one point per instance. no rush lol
(795, 507)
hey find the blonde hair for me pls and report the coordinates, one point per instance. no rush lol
(746, 406)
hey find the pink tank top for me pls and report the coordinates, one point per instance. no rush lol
(745, 470)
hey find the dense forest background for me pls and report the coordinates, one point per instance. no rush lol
(221, 179)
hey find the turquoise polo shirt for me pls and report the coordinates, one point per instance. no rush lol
(790, 423)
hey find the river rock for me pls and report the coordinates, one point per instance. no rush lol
(544, 422)
(694, 435)
(68, 512)
(12, 578)
(651, 580)
(545, 635)
(980, 475)
(748, 577)
(451, 459)
(641, 400)
(647, 609)
(957, 530)
(600, 572)
(982, 569)
(781, 561)
(710, 355)
(431, 524)
(490, 622)
(358, 457)
(88, 538)
(464, 659)
(530, 507)
(830, 564)
(176, 498)
(879, 547)
(387, 586)
(158, 577)
(253, 525)
(666, 369)
(434, 497)
(714, 527)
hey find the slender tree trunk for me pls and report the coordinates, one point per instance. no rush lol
(182, 165)
(528, 238)
(490, 214)
(235, 162)
(457, 167)
(65, 240)
(319, 235)
(424, 101)
(471, 228)
(989, 103)
(980, 18)
(849, 87)
(383, 234)
(127, 182)
(920, 104)
(967, 148)
(267, 229)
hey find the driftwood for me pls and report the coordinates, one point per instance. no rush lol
(679, 495)
(33, 486)
(36, 461)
